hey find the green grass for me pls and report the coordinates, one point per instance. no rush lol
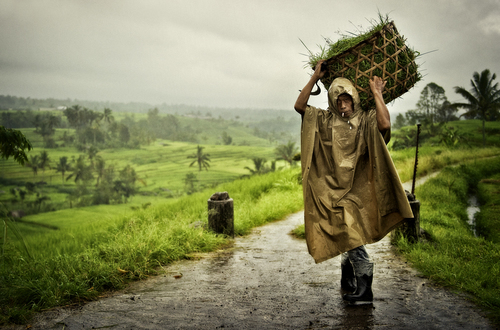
(92, 254)
(454, 257)
(488, 219)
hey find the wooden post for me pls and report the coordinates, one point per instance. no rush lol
(221, 214)
(411, 226)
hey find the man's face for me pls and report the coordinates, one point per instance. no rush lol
(345, 105)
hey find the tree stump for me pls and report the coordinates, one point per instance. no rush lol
(221, 214)
(411, 226)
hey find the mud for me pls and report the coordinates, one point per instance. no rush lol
(267, 280)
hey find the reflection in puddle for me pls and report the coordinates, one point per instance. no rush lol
(472, 209)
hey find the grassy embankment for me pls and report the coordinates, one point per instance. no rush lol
(488, 219)
(454, 257)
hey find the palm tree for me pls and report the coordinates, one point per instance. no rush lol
(100, 168)
(63, 166)
(81, 171)
(44, 160)
(108, 117)
(483, 98)
(34, 163)
(258, 163)
(286, 152)
(201, 158)
(92, 153)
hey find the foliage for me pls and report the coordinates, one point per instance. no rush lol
(454, 257)
(286, 152)
(14, 143)
(201, 158)
(226, 139)
(483, 99)
(190, 180)
(399, 122)
(260, 166)
(452, 137)
(488, 219)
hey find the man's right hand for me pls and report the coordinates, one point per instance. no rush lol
(318, 73)
(301, 103)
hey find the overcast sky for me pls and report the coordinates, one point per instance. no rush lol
(223, 53)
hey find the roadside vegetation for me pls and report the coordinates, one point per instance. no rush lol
(453, 256)
(488, 219)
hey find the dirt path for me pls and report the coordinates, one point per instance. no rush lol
(269, 281)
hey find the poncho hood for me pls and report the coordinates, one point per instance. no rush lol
(343, 86)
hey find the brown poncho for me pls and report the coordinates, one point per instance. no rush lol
(352, 192)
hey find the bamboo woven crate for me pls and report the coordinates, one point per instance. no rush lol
(383, 54)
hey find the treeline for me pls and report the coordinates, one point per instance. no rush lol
(248, 115)
(99, 128)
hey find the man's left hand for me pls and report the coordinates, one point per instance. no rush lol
(377, 85)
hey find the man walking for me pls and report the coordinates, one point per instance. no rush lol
(352, 193)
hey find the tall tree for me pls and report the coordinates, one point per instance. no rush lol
(108, 117)
(431, 100)
(100, 168)
(201, 158)
(400, 121)
(483, 99)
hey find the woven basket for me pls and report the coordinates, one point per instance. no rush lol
(383, 54)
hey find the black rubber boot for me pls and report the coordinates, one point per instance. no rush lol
(363, 290)
(348, 281)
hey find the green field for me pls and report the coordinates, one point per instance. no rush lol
(161, 166)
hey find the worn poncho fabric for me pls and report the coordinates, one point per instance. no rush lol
(352, 192)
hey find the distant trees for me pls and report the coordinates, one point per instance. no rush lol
(433, 110)
(201, 158)
(260, 166)
(45, 126)
(226, 139)
(286, 152)
(483, 99)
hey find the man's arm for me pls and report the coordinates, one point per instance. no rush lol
(301, 103)
(383, 118)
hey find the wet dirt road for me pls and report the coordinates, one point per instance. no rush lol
(267, 280)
